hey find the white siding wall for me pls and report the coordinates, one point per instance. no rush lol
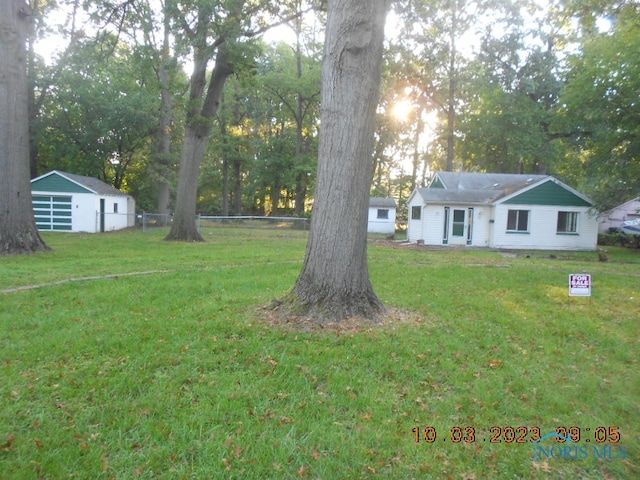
(113, 220)
(414, 227)
(543, 229)
(85, 208)
(379, 225)
(433, 222)
(481, 226)
(431, 226)
(83, 212)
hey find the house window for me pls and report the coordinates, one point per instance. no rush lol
(383, 213)
(567, 222)
(416, 212)
(518, 221)
(115, 208)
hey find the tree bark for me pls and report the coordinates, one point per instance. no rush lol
(334, 283)
(198, 129)
(18, 231)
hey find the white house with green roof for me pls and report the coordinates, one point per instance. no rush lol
(496, 210)
(66, 202)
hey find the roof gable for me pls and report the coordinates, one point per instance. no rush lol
(491, 188)
(56, 181)
(550, 192)
(622, 206)
(475, 188)
(436, 183)
(500, 182)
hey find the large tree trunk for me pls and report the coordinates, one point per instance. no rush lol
(334, 283)
(198, 129)
(18, 231)
(31, 95)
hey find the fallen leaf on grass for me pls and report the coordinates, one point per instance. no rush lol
(544, 466)
(11, 438)
(237, 451)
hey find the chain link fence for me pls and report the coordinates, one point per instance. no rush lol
(209, 224)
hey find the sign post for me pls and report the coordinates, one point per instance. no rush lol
(580, 285)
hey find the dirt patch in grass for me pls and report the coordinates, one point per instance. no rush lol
(278, 315)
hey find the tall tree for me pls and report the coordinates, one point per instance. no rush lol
(213, 31)
(436, 29)
(101, 112)
(507, 120)
(18, 231)
(334, 283)
(600, 105)
(163, 147)
(291, 81)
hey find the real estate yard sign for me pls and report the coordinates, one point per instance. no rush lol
(580, 285)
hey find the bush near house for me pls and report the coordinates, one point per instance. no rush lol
(619, 239)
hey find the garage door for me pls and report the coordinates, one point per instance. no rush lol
(52, 212)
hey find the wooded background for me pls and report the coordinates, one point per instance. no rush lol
(475, 85)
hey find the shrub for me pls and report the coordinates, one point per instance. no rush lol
(619, 239)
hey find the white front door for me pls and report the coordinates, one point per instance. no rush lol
(458, 226)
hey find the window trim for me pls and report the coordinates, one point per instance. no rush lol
(517, 230)
(458, 226)
(571, 219)
(382, 217)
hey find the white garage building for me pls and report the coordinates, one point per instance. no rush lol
(66, 202)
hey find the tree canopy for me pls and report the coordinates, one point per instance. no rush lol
(515, 86)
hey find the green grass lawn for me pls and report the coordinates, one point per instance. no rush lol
(166, 369)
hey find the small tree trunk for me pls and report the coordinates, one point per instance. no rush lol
(301, 194)
(18, 231)
(334, 283)
(237, 184)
